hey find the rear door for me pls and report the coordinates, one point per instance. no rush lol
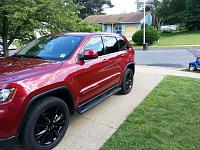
(114, 57)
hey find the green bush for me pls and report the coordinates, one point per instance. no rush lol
(88, 27)
(152, 35)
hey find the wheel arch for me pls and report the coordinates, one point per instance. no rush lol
(131, 66)
(61, 92)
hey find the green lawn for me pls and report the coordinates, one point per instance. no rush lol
(169, 118)
(179, 38)
(176, 39)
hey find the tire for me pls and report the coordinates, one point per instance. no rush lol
(192, 67)
(46, 124)
(127, 82)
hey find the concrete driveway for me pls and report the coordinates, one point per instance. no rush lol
(90, 130)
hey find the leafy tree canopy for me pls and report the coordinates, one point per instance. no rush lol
(172, 11)
(19, 18)
(192, 15)
(92, 7)
(185, 12)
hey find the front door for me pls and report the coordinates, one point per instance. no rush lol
(92, 74)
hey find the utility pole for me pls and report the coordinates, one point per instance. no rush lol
(145, 45)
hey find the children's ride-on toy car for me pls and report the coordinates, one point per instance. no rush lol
(195, 65)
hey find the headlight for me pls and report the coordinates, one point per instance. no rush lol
(6, 94)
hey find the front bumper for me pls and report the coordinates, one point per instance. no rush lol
(8, 144)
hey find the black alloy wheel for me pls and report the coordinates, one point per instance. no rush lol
(46, 124)
(49, 125)
(127, 82)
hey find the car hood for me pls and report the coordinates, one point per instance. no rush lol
(16, 68)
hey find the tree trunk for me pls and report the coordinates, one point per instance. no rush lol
(5, 47)
(5, 35)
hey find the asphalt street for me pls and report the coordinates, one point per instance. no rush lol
(178, 58)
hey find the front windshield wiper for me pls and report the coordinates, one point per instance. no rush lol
(28, 56)
(37, 57)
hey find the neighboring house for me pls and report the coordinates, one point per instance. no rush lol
(126, 24)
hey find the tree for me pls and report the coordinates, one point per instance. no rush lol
(92, 7)
(192, 15)
(172, 11)
(20, 18)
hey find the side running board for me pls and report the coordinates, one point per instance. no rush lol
(98, 99)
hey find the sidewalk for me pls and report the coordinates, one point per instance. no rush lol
(166, 71)
(188, 47)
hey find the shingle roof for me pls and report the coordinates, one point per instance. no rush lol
(116, 18)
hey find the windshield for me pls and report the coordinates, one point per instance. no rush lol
(51, 47)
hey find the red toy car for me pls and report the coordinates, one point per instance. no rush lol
(54, 76)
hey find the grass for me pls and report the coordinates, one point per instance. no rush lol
(177, 39)
(169, 118)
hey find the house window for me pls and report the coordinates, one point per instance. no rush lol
(105, 28)
(118, 29)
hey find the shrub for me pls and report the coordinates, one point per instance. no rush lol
(152, 35)
(88, 27)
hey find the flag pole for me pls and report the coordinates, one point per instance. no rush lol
(145, 45)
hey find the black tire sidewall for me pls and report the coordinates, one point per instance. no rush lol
(123, 85)
(192, 65)
(44, 104)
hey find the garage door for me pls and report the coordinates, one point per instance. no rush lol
(130, 30)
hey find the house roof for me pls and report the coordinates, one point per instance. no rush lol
(116, 18)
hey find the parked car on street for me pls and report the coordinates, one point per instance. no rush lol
(53, 77)
(1, 50)
(195, 65)
(169, 28)
(11, 47)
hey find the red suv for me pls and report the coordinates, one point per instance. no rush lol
(54, 76)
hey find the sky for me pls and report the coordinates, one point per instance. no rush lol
(121, 6)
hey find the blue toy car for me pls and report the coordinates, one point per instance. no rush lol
(195, 65)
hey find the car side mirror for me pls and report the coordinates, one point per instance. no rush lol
(89, 54)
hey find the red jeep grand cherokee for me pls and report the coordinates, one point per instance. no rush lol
(54, 76)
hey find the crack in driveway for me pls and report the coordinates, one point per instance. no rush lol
(84, 117)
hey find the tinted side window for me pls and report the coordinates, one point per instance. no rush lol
(95, 43)
(111, 45)
(122, 44)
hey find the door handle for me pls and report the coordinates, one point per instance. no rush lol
(104, 59)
